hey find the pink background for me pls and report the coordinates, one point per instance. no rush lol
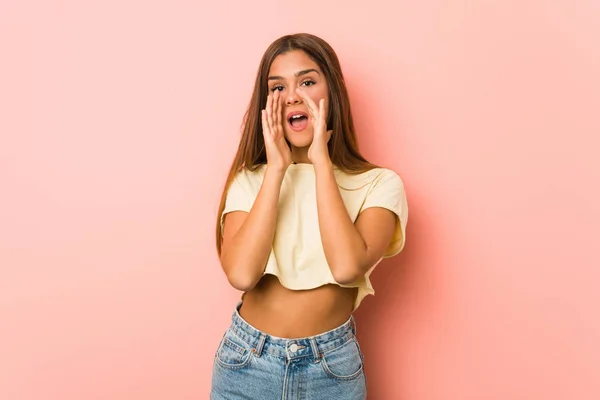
(118, 121)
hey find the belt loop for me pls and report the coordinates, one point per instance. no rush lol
(260, 345)
(353, 324)
(315, 350)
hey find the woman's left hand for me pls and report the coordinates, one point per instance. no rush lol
(318, 152)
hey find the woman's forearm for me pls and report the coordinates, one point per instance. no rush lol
(345, 249)
(245, 256)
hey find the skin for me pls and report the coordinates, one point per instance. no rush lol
(350, 248)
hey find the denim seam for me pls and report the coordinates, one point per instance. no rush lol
(343, 378)
(223, 364)
(241, 337)
(234, 346)
(336, 347)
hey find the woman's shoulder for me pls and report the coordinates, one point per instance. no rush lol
(387, 174)
(374, 176)
(254, 172)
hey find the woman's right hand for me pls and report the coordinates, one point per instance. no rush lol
(279, 154)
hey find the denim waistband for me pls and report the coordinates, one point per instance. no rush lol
(311, 346)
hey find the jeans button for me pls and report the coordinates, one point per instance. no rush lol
(294, 347)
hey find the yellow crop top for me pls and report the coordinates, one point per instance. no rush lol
(297, 257)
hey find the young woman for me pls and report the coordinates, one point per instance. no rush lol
(304, 219)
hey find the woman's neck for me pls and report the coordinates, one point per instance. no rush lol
(300, 155)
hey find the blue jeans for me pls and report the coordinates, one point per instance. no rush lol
(250, 364)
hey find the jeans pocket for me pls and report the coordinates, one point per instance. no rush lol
(344, 362)
(233, 353)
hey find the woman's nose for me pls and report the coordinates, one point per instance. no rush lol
(293, 98)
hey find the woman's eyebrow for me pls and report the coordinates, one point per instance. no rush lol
(299, 73)
(306, 71)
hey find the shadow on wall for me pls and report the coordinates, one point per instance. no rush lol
(388, 322)
(383, 320)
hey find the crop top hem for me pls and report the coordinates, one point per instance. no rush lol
(363, 290)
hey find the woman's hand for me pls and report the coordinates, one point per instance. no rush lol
(279, 155)
(318, 152)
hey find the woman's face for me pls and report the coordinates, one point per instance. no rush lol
(289, 71)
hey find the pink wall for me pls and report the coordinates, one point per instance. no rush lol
(118, 121)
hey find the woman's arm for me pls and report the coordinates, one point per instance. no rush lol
(248, 236)
(350, 248)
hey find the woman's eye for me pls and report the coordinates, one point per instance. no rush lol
(274, 88)
(308, 83)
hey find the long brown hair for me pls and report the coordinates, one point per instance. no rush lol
(343, 147)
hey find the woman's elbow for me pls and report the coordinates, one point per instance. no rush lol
(241, 275)
(240, 281)
(239, 278)
(346, 276)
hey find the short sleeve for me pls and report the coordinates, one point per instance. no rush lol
(387, 191)
(239, 196)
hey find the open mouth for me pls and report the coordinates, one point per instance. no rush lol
(298, 121)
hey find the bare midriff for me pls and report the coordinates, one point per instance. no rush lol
(279, 311)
